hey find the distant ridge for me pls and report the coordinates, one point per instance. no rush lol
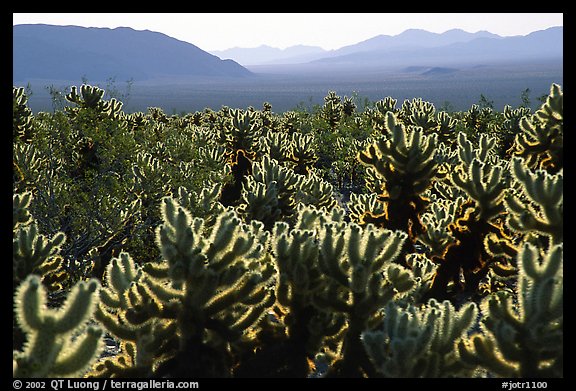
(43, 51)
(413, 47)
(265, 54)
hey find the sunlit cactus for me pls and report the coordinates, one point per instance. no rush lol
(480, 216)
(286, 182)
(420, 342)
(59, 342)
(127, 308)
(436, 221)
(277, 146)
(315, 191)
(511, 126)
(303, 153)
(33, 252)
(377, 114)
(22, 117)
(360, 204)
(419, 113)
(541, 142)
(524, 338)
(91, 98)
(289, 122)
(332, 110)
(333, 279)
(361, 279)
(185, 314)
(242, 131)
(539, 207)
(445, 125)
(307, 327)
(406, 164)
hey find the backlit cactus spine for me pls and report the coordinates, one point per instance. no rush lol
(53, 348)
(477, 218)
(91, 98)
(360, 278)
(524, 338)
(21, 116)
(420, 342)
(406, 164)
(539, 207)
(306, 328)
(541, 142)
(197, 309)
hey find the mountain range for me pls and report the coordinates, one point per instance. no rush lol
(72, 52)
(410, 48)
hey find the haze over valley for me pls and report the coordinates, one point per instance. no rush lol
(453, 68)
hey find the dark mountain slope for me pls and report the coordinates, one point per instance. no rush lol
(70, 52)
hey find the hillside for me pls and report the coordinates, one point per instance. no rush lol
(71, 52)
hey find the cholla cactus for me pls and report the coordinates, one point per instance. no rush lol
(436, 221)
(32, 252)
(360, 204)
(307, 327)
(313, 190)
(445, 127)
(56, 346)
(540, 207)
(541, 143)
(188, 314)
(524, 338)
(277, 146)
(377, 115)
(90, 98)
(278, 181)
(242, 131)
(361, 278)
(406, 163)
(332, 110)
(205, 204)
(511, 126)
(478, 217)
(21, 116)
(420, 113)
(334, 278)
(303, 153)
(420, 342)
(126, 309)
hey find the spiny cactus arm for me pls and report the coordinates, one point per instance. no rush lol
(303, 150)
(296, 255)
(482, 352)
(119, 297)
(419, 341)
(180, 240)
(50, 347)
(552, 111)
(331, 251)
(359, 204)
(34, 253)
(20, 214)
(73, 359)
(485, 184)
(260, 201)
(524, 339)
(255, 313)
(540, 285)
(541, 142)
(315, 191)
(546, 192)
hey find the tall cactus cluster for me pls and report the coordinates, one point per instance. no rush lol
(389, 242)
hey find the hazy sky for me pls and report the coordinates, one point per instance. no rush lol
(218, 31)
